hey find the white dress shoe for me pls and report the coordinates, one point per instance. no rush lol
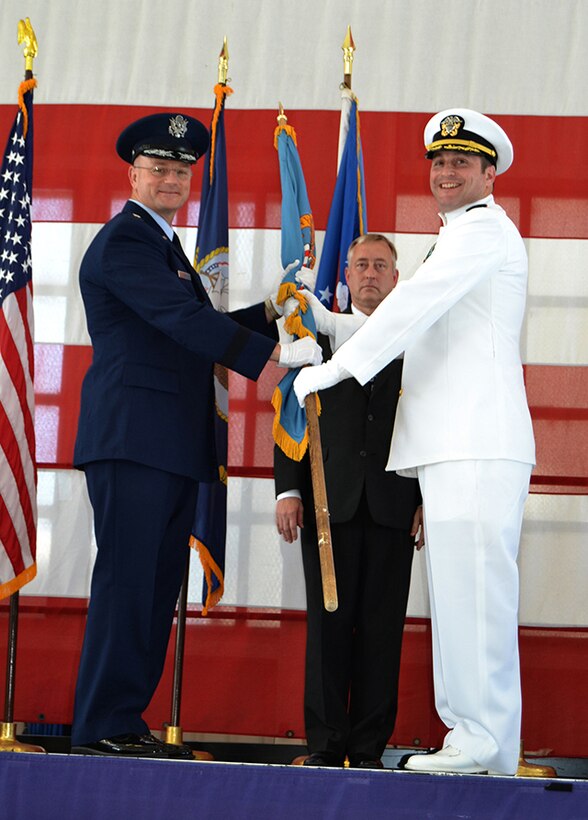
(448, 759)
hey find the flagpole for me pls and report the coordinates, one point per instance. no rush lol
(321, 506)
(173, 730)
(319, 487)
(8, 741)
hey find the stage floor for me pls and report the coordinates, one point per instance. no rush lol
(276, 752)
(59, 786)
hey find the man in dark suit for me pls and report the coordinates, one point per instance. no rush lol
(145, 435)
(353, 654)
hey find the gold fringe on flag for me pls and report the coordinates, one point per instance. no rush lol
(292, 448)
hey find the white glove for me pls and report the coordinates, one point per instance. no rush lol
(337, 326)
(342, 296)
(311, 379)
(307, 277)
(302, 351)
(288, 307)
(323, 317)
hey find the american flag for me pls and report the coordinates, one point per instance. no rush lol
(18, 475)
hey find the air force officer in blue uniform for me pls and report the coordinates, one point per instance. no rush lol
(145, 437)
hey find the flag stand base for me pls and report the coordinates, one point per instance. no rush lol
(526, 769)
(9, 743)
(174, 735)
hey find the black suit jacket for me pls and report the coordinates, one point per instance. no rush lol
(356, 428)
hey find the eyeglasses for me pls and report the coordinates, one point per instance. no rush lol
(183, 174)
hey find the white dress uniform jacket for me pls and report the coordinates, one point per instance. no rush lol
(458, 319)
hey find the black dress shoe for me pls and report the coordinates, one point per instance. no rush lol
(131, 745)
(365, 763)
(323, 759)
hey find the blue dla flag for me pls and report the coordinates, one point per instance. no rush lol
(347, 217)
(290, 429)
(212, 263)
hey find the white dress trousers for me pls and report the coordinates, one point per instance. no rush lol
(473, 513)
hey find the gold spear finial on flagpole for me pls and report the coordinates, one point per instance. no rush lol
(223, 63)
(26, 35)
(348, 49)
(281, 118)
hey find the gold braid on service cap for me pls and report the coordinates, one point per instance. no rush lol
(459, 145)
(452, 126)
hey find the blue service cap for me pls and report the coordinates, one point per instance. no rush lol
(461, 129)
(164, 136)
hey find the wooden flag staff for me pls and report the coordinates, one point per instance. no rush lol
(321, 509)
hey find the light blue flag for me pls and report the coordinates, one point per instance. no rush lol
(290, 429)
(347, 218)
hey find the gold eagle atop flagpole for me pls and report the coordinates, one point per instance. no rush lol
(26, 35)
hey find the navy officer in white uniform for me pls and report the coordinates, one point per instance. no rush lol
(145, 436)
(463, 427)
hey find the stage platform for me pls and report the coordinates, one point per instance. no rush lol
(59, 786)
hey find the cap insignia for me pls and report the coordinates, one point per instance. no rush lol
(178, 126)
(450, 125)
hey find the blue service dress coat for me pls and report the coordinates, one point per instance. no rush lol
(145, 441)
(148, 396)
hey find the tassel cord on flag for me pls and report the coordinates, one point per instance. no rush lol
(221, 92)
(209, 567)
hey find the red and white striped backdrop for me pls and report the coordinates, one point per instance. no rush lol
(101, 65)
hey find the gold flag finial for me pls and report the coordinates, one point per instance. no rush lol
(282, 118)
(26, 35)
(223, 63)
(348, 49)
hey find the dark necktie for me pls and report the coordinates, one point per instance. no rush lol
(429, 252)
